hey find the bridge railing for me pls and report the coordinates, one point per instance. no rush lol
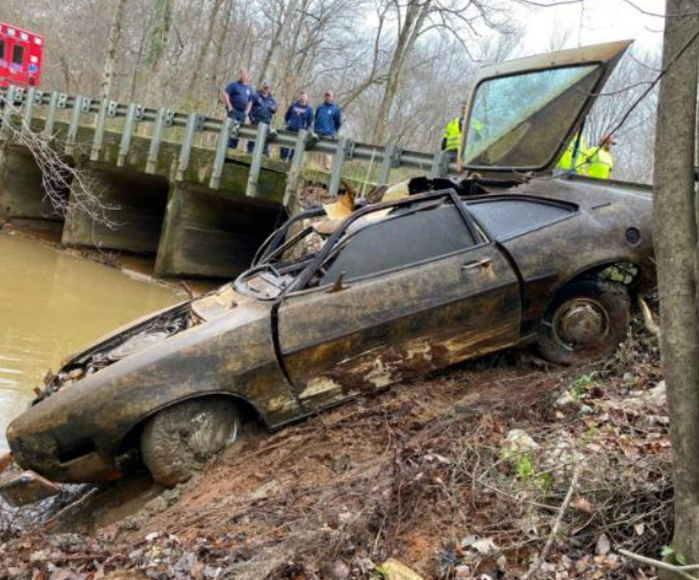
(28, 101)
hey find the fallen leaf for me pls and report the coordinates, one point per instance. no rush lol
(582, 505)
(603, 545)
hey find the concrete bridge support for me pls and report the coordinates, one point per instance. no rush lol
(128, 215)
(22, 194)
(206, 233)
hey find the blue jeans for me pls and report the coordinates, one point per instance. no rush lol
(237, 116)
(285, 154)
(251, 145)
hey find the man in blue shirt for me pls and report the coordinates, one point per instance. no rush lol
(237, 97)
(264, 106)
(328, 121)
(298, 116)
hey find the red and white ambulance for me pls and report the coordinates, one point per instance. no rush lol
(20, 56)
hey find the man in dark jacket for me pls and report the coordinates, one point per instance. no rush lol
(298, 116)
(328, 121)
(237, 97)
(328, 118)
(264, 106)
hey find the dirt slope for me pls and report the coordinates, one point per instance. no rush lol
(416, 472)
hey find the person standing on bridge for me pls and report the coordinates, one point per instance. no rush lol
(328, 120)
(264, 106)
(298, 116)
(237, 97)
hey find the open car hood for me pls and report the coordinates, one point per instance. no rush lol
(523, 113)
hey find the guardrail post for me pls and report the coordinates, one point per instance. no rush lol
(256, 164)
(195, 123)
(292, 177)
(9, 102)
(221, 148)
(391, 159)
(155, 140)
(440, 165)
(343, 152)
(29, 101)
(99, 131)
(133, 115)
(51, 116)
(72, 136)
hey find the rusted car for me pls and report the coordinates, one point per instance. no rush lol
(437, 273)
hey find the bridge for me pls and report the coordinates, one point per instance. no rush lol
(166, 181)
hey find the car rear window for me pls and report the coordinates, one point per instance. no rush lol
(509, 217)
(400, 241)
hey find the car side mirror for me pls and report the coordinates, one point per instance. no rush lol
(338, 285)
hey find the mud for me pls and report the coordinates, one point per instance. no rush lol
(271, 499)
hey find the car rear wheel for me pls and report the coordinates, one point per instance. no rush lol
(180, 439)
(586, 321)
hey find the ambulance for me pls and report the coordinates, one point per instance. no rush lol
(20, 56)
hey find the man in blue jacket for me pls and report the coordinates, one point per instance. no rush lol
(298, 116)
(328, 117)
(264, 106)
(328, 121)
(237, 97)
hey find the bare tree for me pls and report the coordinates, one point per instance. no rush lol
(676, 253)
(112, 49)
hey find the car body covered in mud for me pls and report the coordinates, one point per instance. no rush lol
(437, 273)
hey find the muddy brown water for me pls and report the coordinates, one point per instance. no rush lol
(52, 304)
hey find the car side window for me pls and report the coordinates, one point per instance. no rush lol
(509, 217)
(398, 241)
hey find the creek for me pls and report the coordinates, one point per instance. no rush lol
(53, 303)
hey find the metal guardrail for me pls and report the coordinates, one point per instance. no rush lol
(342, 149)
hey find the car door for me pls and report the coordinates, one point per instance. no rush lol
(420, 291)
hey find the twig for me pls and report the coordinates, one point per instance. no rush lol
(681, 570)
(648, 318)
(556, 525)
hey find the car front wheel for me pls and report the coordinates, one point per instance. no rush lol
(586, 321)
(180, 439)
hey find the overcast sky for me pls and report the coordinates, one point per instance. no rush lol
(602, 21)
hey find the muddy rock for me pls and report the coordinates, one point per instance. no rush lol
(338, 570)
(519, 440)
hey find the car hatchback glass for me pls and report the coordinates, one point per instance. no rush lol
(522, 113)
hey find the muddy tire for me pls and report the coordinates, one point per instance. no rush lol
(180, 439)
(586, 321)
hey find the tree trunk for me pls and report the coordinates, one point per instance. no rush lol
(675, 248)
(415, 15)
(112, 50)
(206, 44)
(159, 36)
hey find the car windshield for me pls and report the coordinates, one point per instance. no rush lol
(520, 120)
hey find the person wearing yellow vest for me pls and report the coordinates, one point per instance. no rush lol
(452, 133)
(566, 162)
(600, 161)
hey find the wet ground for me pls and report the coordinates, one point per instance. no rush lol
(53, 303)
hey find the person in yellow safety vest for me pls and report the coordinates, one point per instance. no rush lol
(566, 161)
(600, 161)
(452, 132)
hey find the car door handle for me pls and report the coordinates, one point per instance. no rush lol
(476, 264)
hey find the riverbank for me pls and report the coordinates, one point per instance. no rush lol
(460, 475)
